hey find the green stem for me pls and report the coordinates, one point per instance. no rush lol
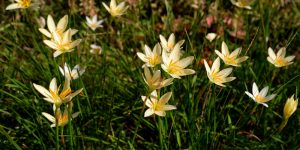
(57, 137)
(141, 115)
(57, 128)
(282, 125)
(161, 130)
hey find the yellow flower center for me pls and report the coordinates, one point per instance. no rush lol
(156, 106)
(170, 46)
(60, 32)
(116, 12)
(64, 47)
(230, 60)
(280, 61)
(154, 83)
(259, 98)
(65, 93)
(55, 97)
(216, 78)
(25, 3)
(93, 25)
(154, 60)
(173, 68)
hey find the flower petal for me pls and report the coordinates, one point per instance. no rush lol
(56, 53)
(113, 4)
(160, 113)
(13, 6)
(236, 52)
(264, 91)
(216, 65)
(255, 89)
(148, 51)
(271, 53)
(289, 58)
(148, 112)
(185, 72)
(50, 24)
(185, 61)
(171, 40)
(266, 105)
(165, 98)
(62, 23)
(163, 41)
(207, 67)
(281, 52)
(175, 53)
(156, 75)
(229, 79)
(106, 7)
(219, 54)
(225, 50)
(142, 56)
(241, 59)
(270, 97)
(42, 90)
(169, 107)
(88, 20)
(51, 44)
(74, 44)
(225, 72)
(45, 32)
(250, 95)
(49, 117)
(53, 85)
(270, 60)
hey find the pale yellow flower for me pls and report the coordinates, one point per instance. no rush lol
(279, 60)
(215, 75)
(115, 10)
(20, 4)
(231, 58)
(53, 95)
(95, 49)
(290, 107)
(71, 74)
(156, 106)
(260, 96)
(62, 43)
(211, 36)
(151, 58)
(155, 81)
(242, 3)
(59, 119)
(173, 65)
(59, 29)
(93, 23)
(170, 44)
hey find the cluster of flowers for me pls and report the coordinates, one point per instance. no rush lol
(60, 39)
(219, 77)
(115, 11)
(167, 54)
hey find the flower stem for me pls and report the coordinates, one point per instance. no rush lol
(57, 137)
(282, 125)
(57, 128)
